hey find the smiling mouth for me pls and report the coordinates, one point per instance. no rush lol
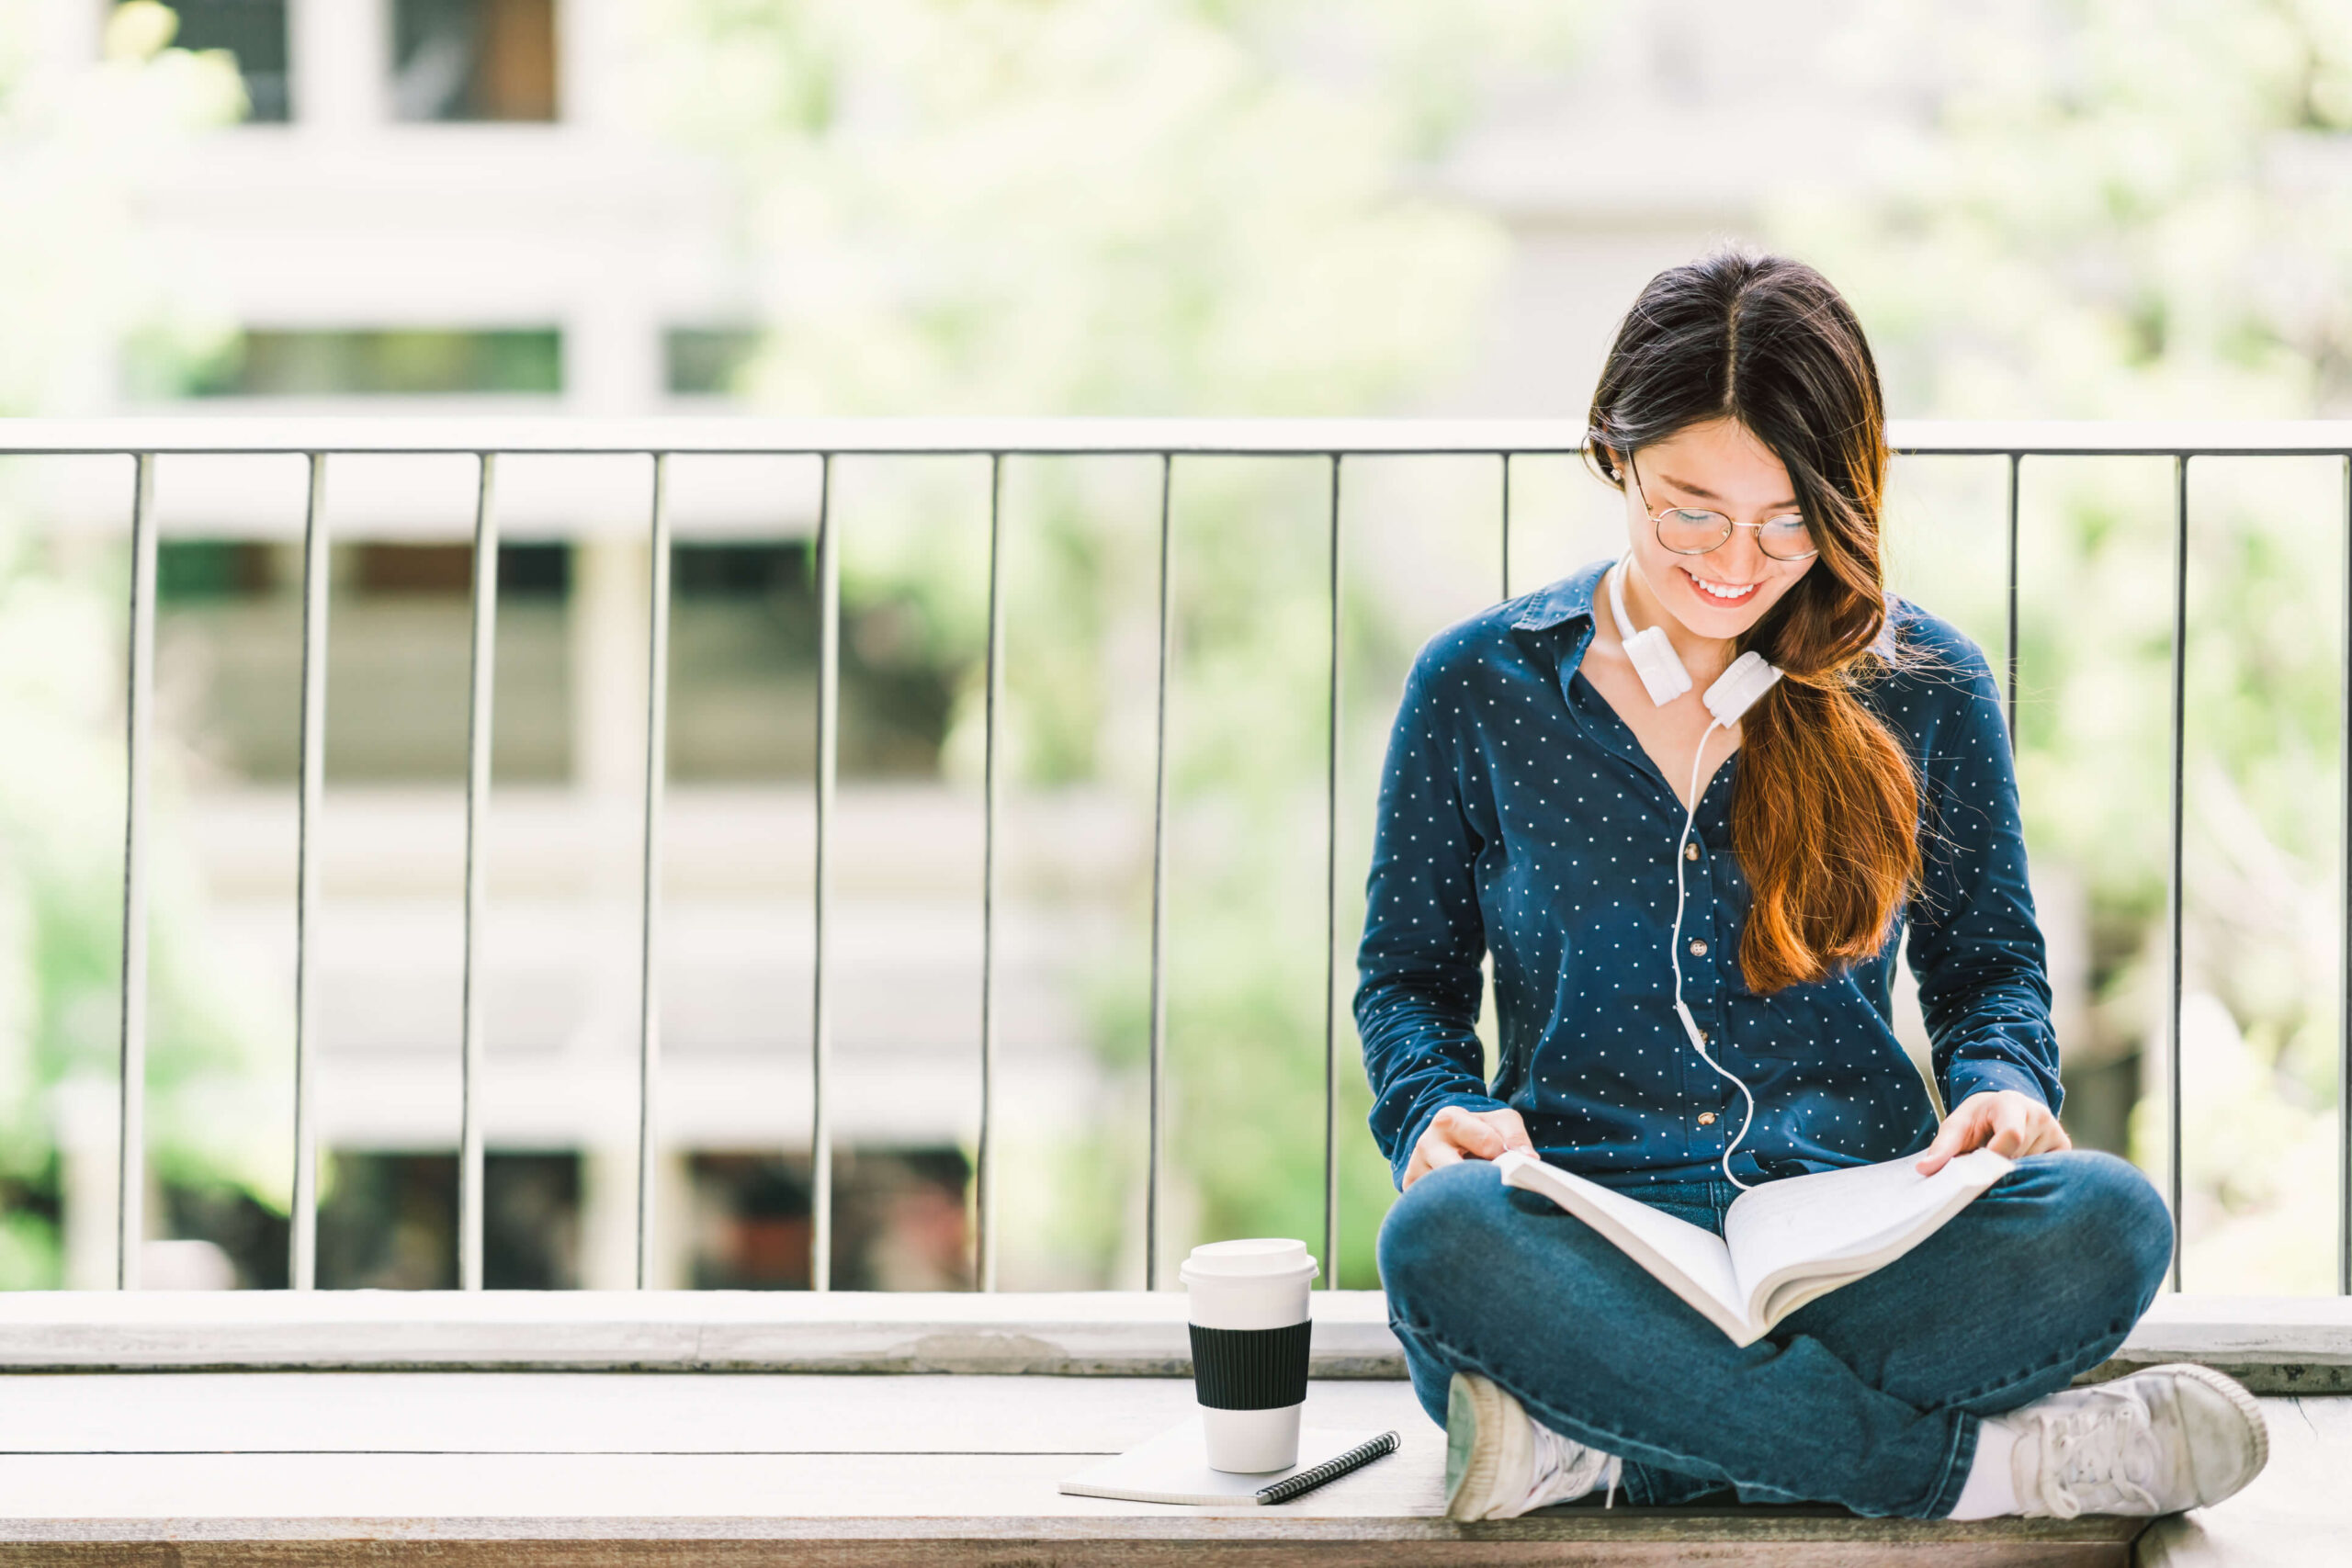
(1716, 592)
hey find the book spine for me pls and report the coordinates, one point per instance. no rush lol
(1332, 1469)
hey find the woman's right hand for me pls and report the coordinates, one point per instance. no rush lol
(1456, 1135)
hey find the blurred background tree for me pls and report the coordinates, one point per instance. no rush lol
(71, 273)
(2115, 210)
(2097, 208)
(1129, 207)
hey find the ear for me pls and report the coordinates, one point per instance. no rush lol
(1611, 466)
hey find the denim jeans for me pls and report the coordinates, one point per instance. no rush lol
(1869, 1396)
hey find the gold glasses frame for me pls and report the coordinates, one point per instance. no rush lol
(1657, 523)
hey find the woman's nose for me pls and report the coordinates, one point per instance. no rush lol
(1741, 557)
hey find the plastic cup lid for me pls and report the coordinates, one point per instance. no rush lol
(1259, 1257)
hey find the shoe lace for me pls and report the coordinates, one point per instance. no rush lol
(1567, 1469)
(2085, 1455)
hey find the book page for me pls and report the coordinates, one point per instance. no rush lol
(1840, 1224)
(1690, 1261)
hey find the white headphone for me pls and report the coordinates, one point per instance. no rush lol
(1732, 693)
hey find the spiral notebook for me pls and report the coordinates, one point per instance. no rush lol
(1174, 1468)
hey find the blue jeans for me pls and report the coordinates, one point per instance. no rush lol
(1869, 1396)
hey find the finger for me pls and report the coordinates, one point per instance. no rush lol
(1942, 1149)
(1957, 1135)
(1514, 1131)
(2010, 1132)
(2045, 1136)
(1442, 1152)
(1476, 1135)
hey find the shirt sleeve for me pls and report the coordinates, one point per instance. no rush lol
(1418, 967)
(1975, 945)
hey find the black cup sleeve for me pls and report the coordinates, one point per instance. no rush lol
(1250, 1369)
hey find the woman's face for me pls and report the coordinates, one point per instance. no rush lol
(1715, 467)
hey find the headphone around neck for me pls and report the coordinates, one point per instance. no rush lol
(1731, 695)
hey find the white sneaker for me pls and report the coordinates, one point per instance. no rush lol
(1499, 1464)
(2171, 1438)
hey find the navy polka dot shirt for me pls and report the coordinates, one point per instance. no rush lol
(1519, 814)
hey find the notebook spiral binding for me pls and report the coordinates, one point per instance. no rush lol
(1332, 1469)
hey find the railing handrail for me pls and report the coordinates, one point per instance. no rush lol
(245, 433)
(488, 439)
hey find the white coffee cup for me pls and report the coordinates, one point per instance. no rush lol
(1250, 1332)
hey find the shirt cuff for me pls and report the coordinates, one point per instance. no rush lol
(1421, 1124)
(1976, 1075)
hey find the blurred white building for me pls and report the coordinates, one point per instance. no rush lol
(444, 205)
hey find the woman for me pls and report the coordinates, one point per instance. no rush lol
(1539, 783)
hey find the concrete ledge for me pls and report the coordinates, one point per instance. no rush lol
(1117, 1333)
(1822, 1539)
(2274, 1345)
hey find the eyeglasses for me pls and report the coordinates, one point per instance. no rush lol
(1693, 531)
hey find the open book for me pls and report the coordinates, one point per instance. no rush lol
(1783, 1243)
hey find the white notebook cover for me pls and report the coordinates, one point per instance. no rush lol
(1174, 1468)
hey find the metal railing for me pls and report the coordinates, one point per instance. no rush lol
(1329, 442)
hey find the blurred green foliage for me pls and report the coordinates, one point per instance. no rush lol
(70, 279)
(2107, 208)
(2122, 210)
(1106, 206)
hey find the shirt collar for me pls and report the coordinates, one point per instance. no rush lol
(1570, 597)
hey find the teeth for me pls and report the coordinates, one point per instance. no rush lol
(1715, 593)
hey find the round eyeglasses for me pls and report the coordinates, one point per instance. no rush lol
(1695, 531)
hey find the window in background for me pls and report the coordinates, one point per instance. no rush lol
(205, 569)
(253, 31)
(389, 1221)
(403, 362)
(473, 60)
(707, 361)
(899, 1221)
(400, 657)
(744, 672)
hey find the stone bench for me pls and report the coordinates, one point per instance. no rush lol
(723, 1429)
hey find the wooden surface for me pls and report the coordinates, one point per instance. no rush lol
(2298, 1513)
(566, 1468)
(2274, 1345)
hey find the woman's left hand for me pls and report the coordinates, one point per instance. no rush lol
(2006, 1121)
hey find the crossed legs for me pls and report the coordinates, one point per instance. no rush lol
(1869, 1396)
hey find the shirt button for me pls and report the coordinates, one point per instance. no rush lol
(1698, 949)
(1691, 850)
(1706, 1119)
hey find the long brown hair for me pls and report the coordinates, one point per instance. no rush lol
(1825, 816)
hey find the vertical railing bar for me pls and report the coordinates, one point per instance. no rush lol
(2175, 888)
(2016, 462)
(984, 1258)
(1506, 456)
(2343, 885)
(478, 745)
(1158, 1068)
(1332, 925)
(820, 1029)
(130, 1207)
(302, 1242)
(648, 967)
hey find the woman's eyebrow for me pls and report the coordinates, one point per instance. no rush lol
(1704, 494)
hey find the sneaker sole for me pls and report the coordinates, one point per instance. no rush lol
(2240, 1400)
(1474, 1411)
